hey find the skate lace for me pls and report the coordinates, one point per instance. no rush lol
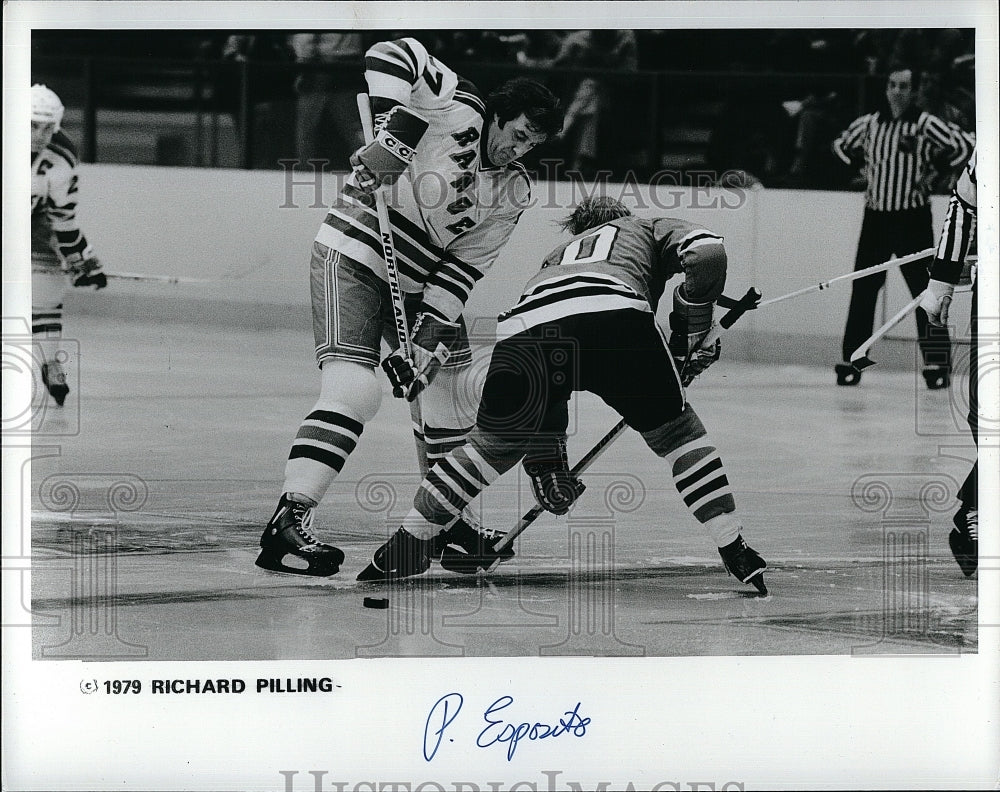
(972, 524)
(303, 522)
(490, 534)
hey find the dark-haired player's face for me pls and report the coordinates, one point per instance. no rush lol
(511, 141)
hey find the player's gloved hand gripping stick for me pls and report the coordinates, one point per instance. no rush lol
(737, 308)
(413, 365)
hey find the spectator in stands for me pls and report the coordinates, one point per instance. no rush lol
(611, 50)
(266, 135)
(327, 126)
(818, 118)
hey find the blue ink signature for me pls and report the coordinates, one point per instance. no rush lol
(499, 732)
(444, 711)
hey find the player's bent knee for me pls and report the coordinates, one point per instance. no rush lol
(500, 453)
(675, 433)
(353, 387)
(445, 401)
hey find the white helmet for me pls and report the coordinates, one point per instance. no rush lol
(45, 106)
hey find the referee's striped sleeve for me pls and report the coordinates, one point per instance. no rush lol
(958, 230)
(946, 139)
(849, 145)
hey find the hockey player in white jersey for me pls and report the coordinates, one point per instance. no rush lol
(447, 159)
(58, 247)
(586, 322)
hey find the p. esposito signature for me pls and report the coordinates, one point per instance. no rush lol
(498, 729)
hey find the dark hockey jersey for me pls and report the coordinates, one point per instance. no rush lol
(625, 263)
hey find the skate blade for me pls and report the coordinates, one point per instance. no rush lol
(371, 574)
(757, 581)
(274, 562)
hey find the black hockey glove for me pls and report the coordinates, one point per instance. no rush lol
(554, 485)
(88, 273)
(391, 152)
(689, 324)
(431, 342)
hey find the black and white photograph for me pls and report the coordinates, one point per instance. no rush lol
(500, 396)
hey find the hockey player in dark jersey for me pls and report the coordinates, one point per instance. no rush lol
(457, 192)
(586, 322)
(58, 247)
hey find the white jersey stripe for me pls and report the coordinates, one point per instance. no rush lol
(568, 307)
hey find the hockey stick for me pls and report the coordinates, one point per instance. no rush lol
(135, 276)
(860, 359)
(392, 272)
(851, 276)
(739, 307)
(535, 511)
(385, 232)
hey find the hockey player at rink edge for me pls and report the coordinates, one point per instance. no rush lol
(58, 247)
(447, 231)
(946, 272)
(586, 322)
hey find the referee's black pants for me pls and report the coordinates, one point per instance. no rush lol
(884, 234)
(969, 493)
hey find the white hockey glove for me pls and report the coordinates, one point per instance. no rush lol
(553, 484)
(690, 322)
(936, 301)
(431, 342)
(384, 159)
(87, 272)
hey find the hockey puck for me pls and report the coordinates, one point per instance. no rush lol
(376, 602)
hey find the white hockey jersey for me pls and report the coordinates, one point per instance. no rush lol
(54, 227)
(451, 216)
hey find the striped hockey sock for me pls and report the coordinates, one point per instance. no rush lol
(448, 489)
(440, 441)
(324, 441)
(47, 322)
(700, 478)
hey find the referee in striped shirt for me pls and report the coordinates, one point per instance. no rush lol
(945, 273)
(897, 148)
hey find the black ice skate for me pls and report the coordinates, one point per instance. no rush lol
(964, 540)
(471, 548)
(847, 374)
(404, 555)
(937, 377)
(288, 534)
(743, 563)
(54, 379)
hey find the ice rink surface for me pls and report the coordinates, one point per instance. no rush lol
(151, 486)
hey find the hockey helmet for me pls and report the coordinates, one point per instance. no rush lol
(46, 108)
